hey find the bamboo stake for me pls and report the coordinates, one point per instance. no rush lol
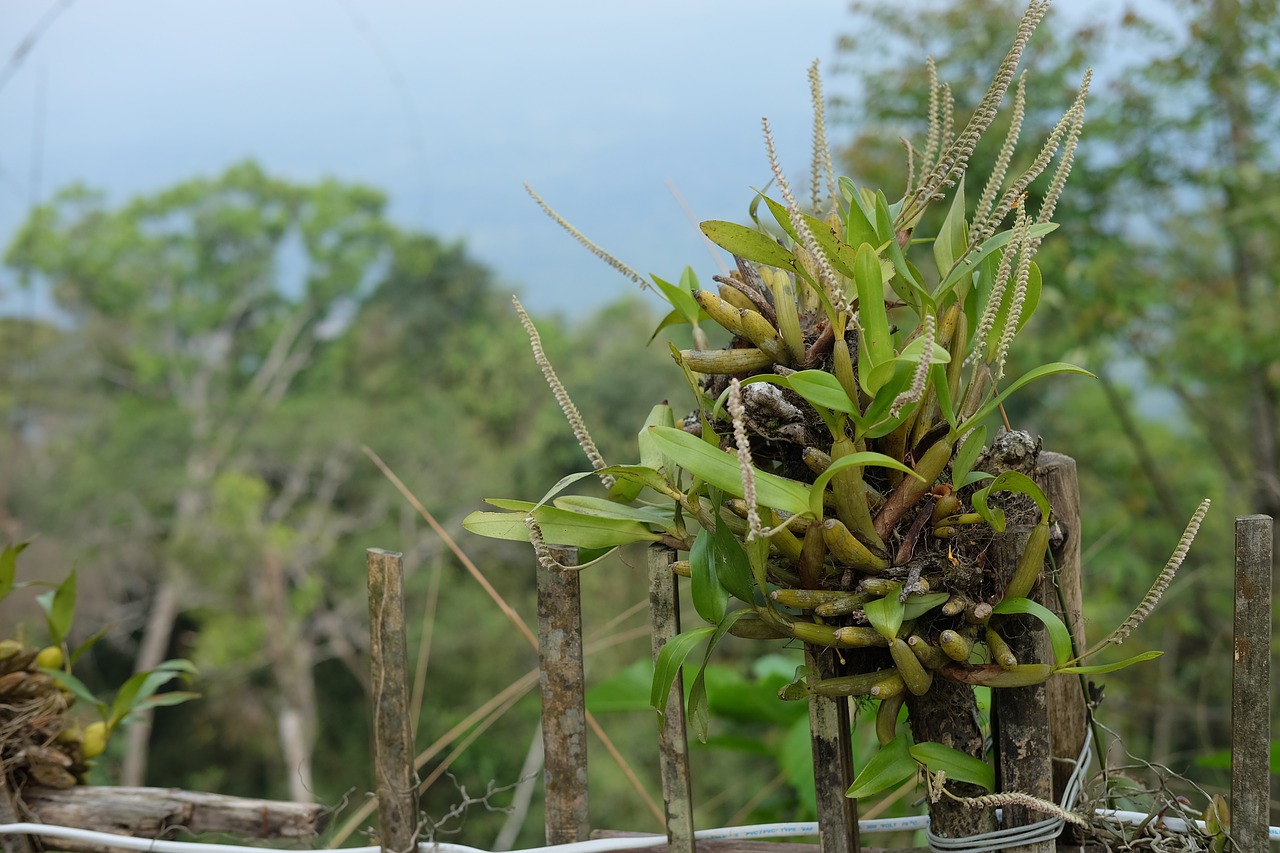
(394, 752)
(832, 760)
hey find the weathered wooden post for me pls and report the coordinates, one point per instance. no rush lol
(564, 713)
(1021, 714)
(673, 746)
(1063, 594)
(397, 783)
(1251, 685)
(832, 758)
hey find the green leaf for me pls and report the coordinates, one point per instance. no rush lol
(733, 570)
(891, 765)
(709, 597)
(698, 707)
(873, 318)
(958, 766)
(605, 508)
(882, 373)
(1008, 481)
(681, 300)
(917, 605)
(968, 455)
(77, 687)
(885, 615)
(670, 659)
(9, 566)
(859, 459)
(906, 284)
(59, 609)
(164, 700)
(1029, 376)
(673, 318)
(1059, 636)
(1030, 300)
(560, 527)
(722, 470)
(857, 227)
(89, 643)
(972, 261)
(140, 688)
(1097, 669)
(821, 388)
(748, 243)
(953, 236)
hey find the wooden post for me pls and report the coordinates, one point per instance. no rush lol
(832, 759)
(9, 814)
(1023, 760)
(1062, 593)
(673, 745)
(564, 713)
(1251, 685)
(394, 752)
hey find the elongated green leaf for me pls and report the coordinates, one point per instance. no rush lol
(709, 597)
(78, 687)
(9, 567)
(748, 243)
(968, 455)
(627, 488)
(890, 766)
(641, 475)
(138, 689)
(953, 236)
(1031, 298)
(670, 659)
(917, 605)
(1029, 376)
(907, 282)
(821, 388)
(941, 389)
(697, 710)
(733, 570)
(60, 608)
(560, 527)
(681, 300)
(1059, 636)
(873, 318)
(958, 766)
(860, 459)
(857, 227)
(885, 615)
(722, 470)
(673, 318)
(605, 508)
(1097, 669)
(882, 373)
(164, 700)
(976, 257)
(1008, 481)
(89, 643)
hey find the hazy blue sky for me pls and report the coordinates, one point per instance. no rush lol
(448, 107)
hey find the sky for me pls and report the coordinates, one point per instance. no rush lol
(448, 108)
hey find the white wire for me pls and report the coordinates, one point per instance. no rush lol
(769, 830)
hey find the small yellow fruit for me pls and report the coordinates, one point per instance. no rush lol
(50, 657)
(94, 740)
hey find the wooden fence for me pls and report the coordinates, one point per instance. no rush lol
(1039, 730)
